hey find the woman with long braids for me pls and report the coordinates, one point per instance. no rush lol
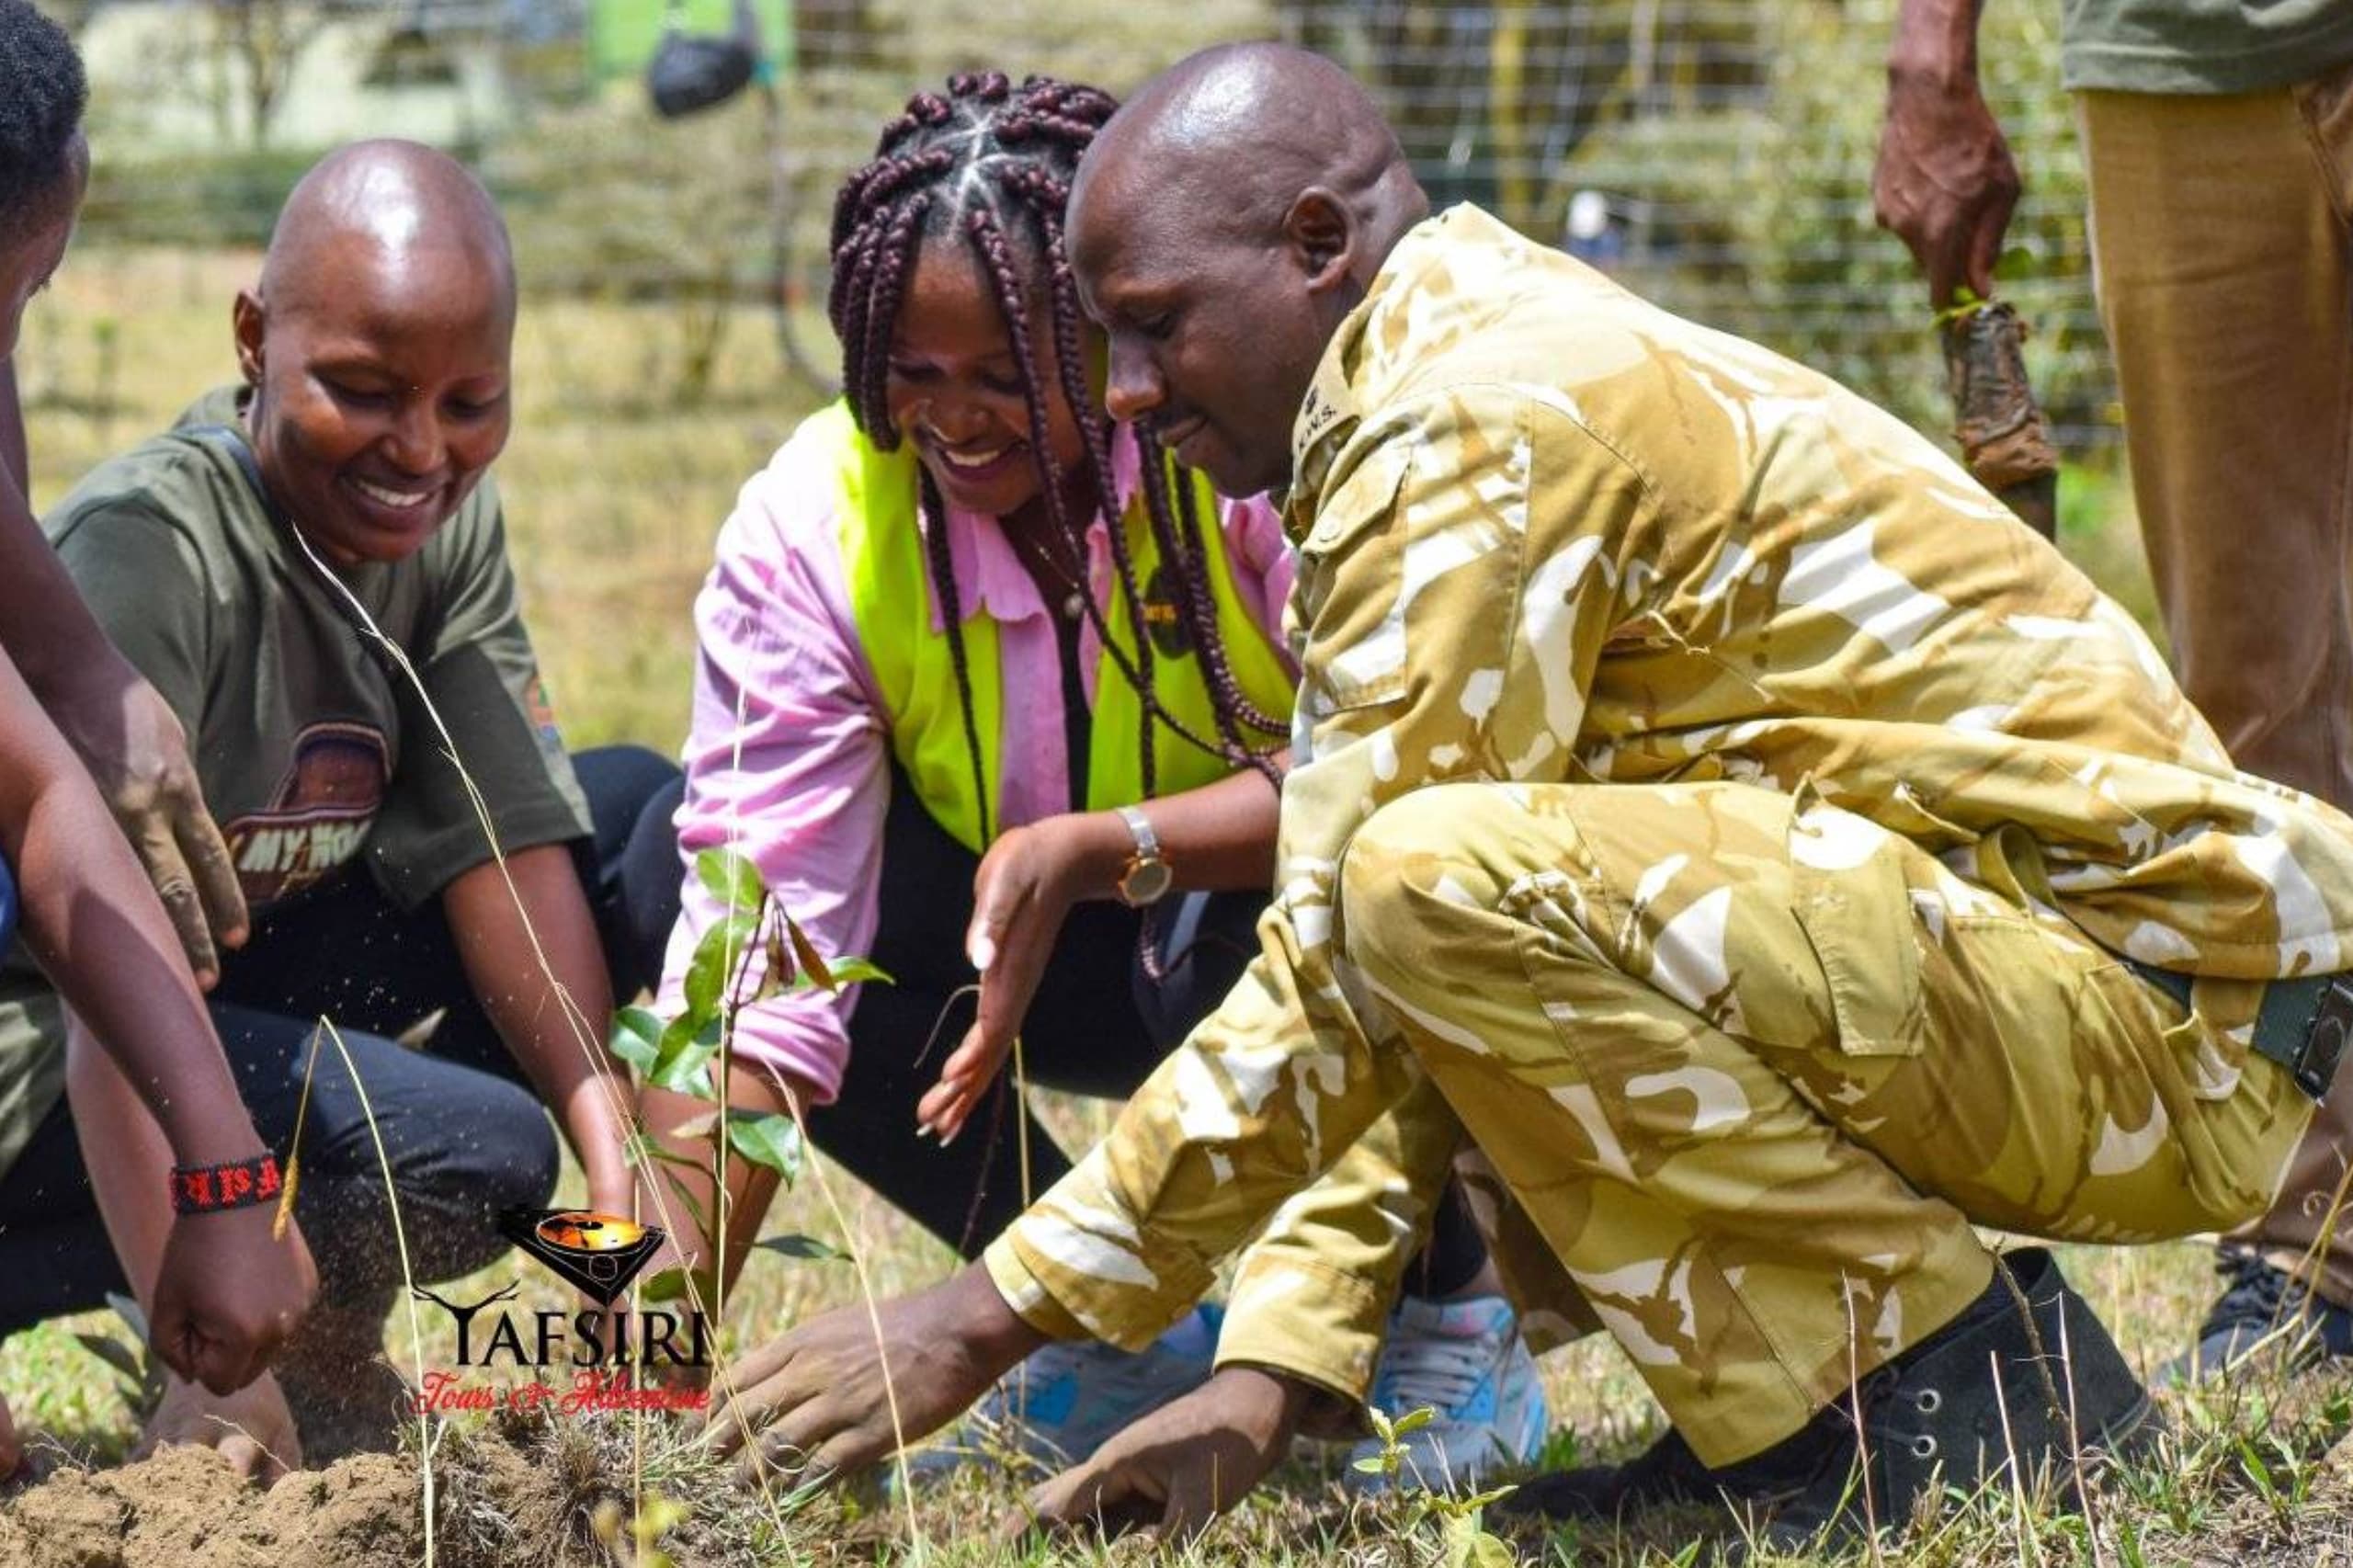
(983, 678)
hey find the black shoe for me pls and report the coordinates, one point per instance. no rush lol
(2059, 1393)
(1668, 1473)
(2261, 1308)
(1929, 1418)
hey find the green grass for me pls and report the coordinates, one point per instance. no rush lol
(614, 494)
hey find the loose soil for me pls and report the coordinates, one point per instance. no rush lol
(516, 1494)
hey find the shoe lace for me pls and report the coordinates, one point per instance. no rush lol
(1441, 1374)
(2257, 1295)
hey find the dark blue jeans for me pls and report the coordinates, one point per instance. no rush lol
(464, 1137)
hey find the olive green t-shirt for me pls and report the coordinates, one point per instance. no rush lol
(312, 748)
(2201, 46)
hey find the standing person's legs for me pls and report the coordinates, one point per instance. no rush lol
(1755, 1072)
(2223, 230)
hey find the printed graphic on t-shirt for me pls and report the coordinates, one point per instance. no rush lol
(319, 816)
(535, 697)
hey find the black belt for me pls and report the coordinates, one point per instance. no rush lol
(2304, 1024)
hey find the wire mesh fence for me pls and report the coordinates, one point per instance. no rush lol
(1715, 154)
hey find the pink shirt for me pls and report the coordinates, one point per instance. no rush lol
(790, 755)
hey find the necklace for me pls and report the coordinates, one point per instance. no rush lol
(1073, 602)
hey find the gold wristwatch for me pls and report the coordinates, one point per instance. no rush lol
(1147, 877)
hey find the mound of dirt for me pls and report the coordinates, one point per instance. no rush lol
(184, 1508)
(516, 1493)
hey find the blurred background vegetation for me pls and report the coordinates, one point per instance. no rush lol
(1715, 152)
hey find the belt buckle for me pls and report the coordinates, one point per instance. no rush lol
(2325, 1037)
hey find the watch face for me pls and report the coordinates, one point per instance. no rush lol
(1145, 882)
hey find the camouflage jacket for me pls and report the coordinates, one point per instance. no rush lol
(1551, 533)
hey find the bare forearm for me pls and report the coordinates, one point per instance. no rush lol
(57, 644)
(1936, 38)
(1217, 837)
(92, 919)
(552, 1016)
(128, 1161)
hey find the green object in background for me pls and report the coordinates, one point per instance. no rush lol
(622, 33)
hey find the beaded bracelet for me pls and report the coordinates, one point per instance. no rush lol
(238, 1184)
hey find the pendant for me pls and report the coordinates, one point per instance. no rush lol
(1072, 606)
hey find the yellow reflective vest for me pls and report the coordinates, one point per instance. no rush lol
(891, 600)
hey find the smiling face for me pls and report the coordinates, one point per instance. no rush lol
(31, 249)
(381, 394)
(954, 387)
(1213, 336)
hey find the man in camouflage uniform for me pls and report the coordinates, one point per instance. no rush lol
(1768, 851)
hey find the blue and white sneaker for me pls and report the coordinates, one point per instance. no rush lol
(1466, 1361)
(1058, 1406)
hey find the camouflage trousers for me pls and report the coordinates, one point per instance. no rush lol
(1751, 1068)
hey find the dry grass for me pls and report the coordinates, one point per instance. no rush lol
(613, 497)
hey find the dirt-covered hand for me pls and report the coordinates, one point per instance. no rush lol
(132, 743)
(1945, 183)
(228, 1294)
(1174, 1471)
(1021, 894)
(816, 1403)
(251, 1428)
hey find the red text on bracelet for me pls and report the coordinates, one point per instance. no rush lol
(238, 1183)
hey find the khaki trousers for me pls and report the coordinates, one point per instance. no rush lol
(2222, 238)
(1752, 1067)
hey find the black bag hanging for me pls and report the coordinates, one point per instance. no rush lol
(692, 71)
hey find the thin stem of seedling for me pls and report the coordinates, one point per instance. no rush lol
(399, 1238)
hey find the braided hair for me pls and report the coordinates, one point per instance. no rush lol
(990, 164)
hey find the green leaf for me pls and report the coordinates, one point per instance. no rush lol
(808, 1247)
(637, 1038)
(114, 1353)
(723, 946)
(770, 1138)
(1486, 1552)
(670, 1285)
(855, 971)
(1376, 1465)
(2014, 264)
(1413, 1421)
(732, 879)
(683, 1055)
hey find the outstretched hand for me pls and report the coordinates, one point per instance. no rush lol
(817, 1403)
(1021, 895)
(1174, 1471)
